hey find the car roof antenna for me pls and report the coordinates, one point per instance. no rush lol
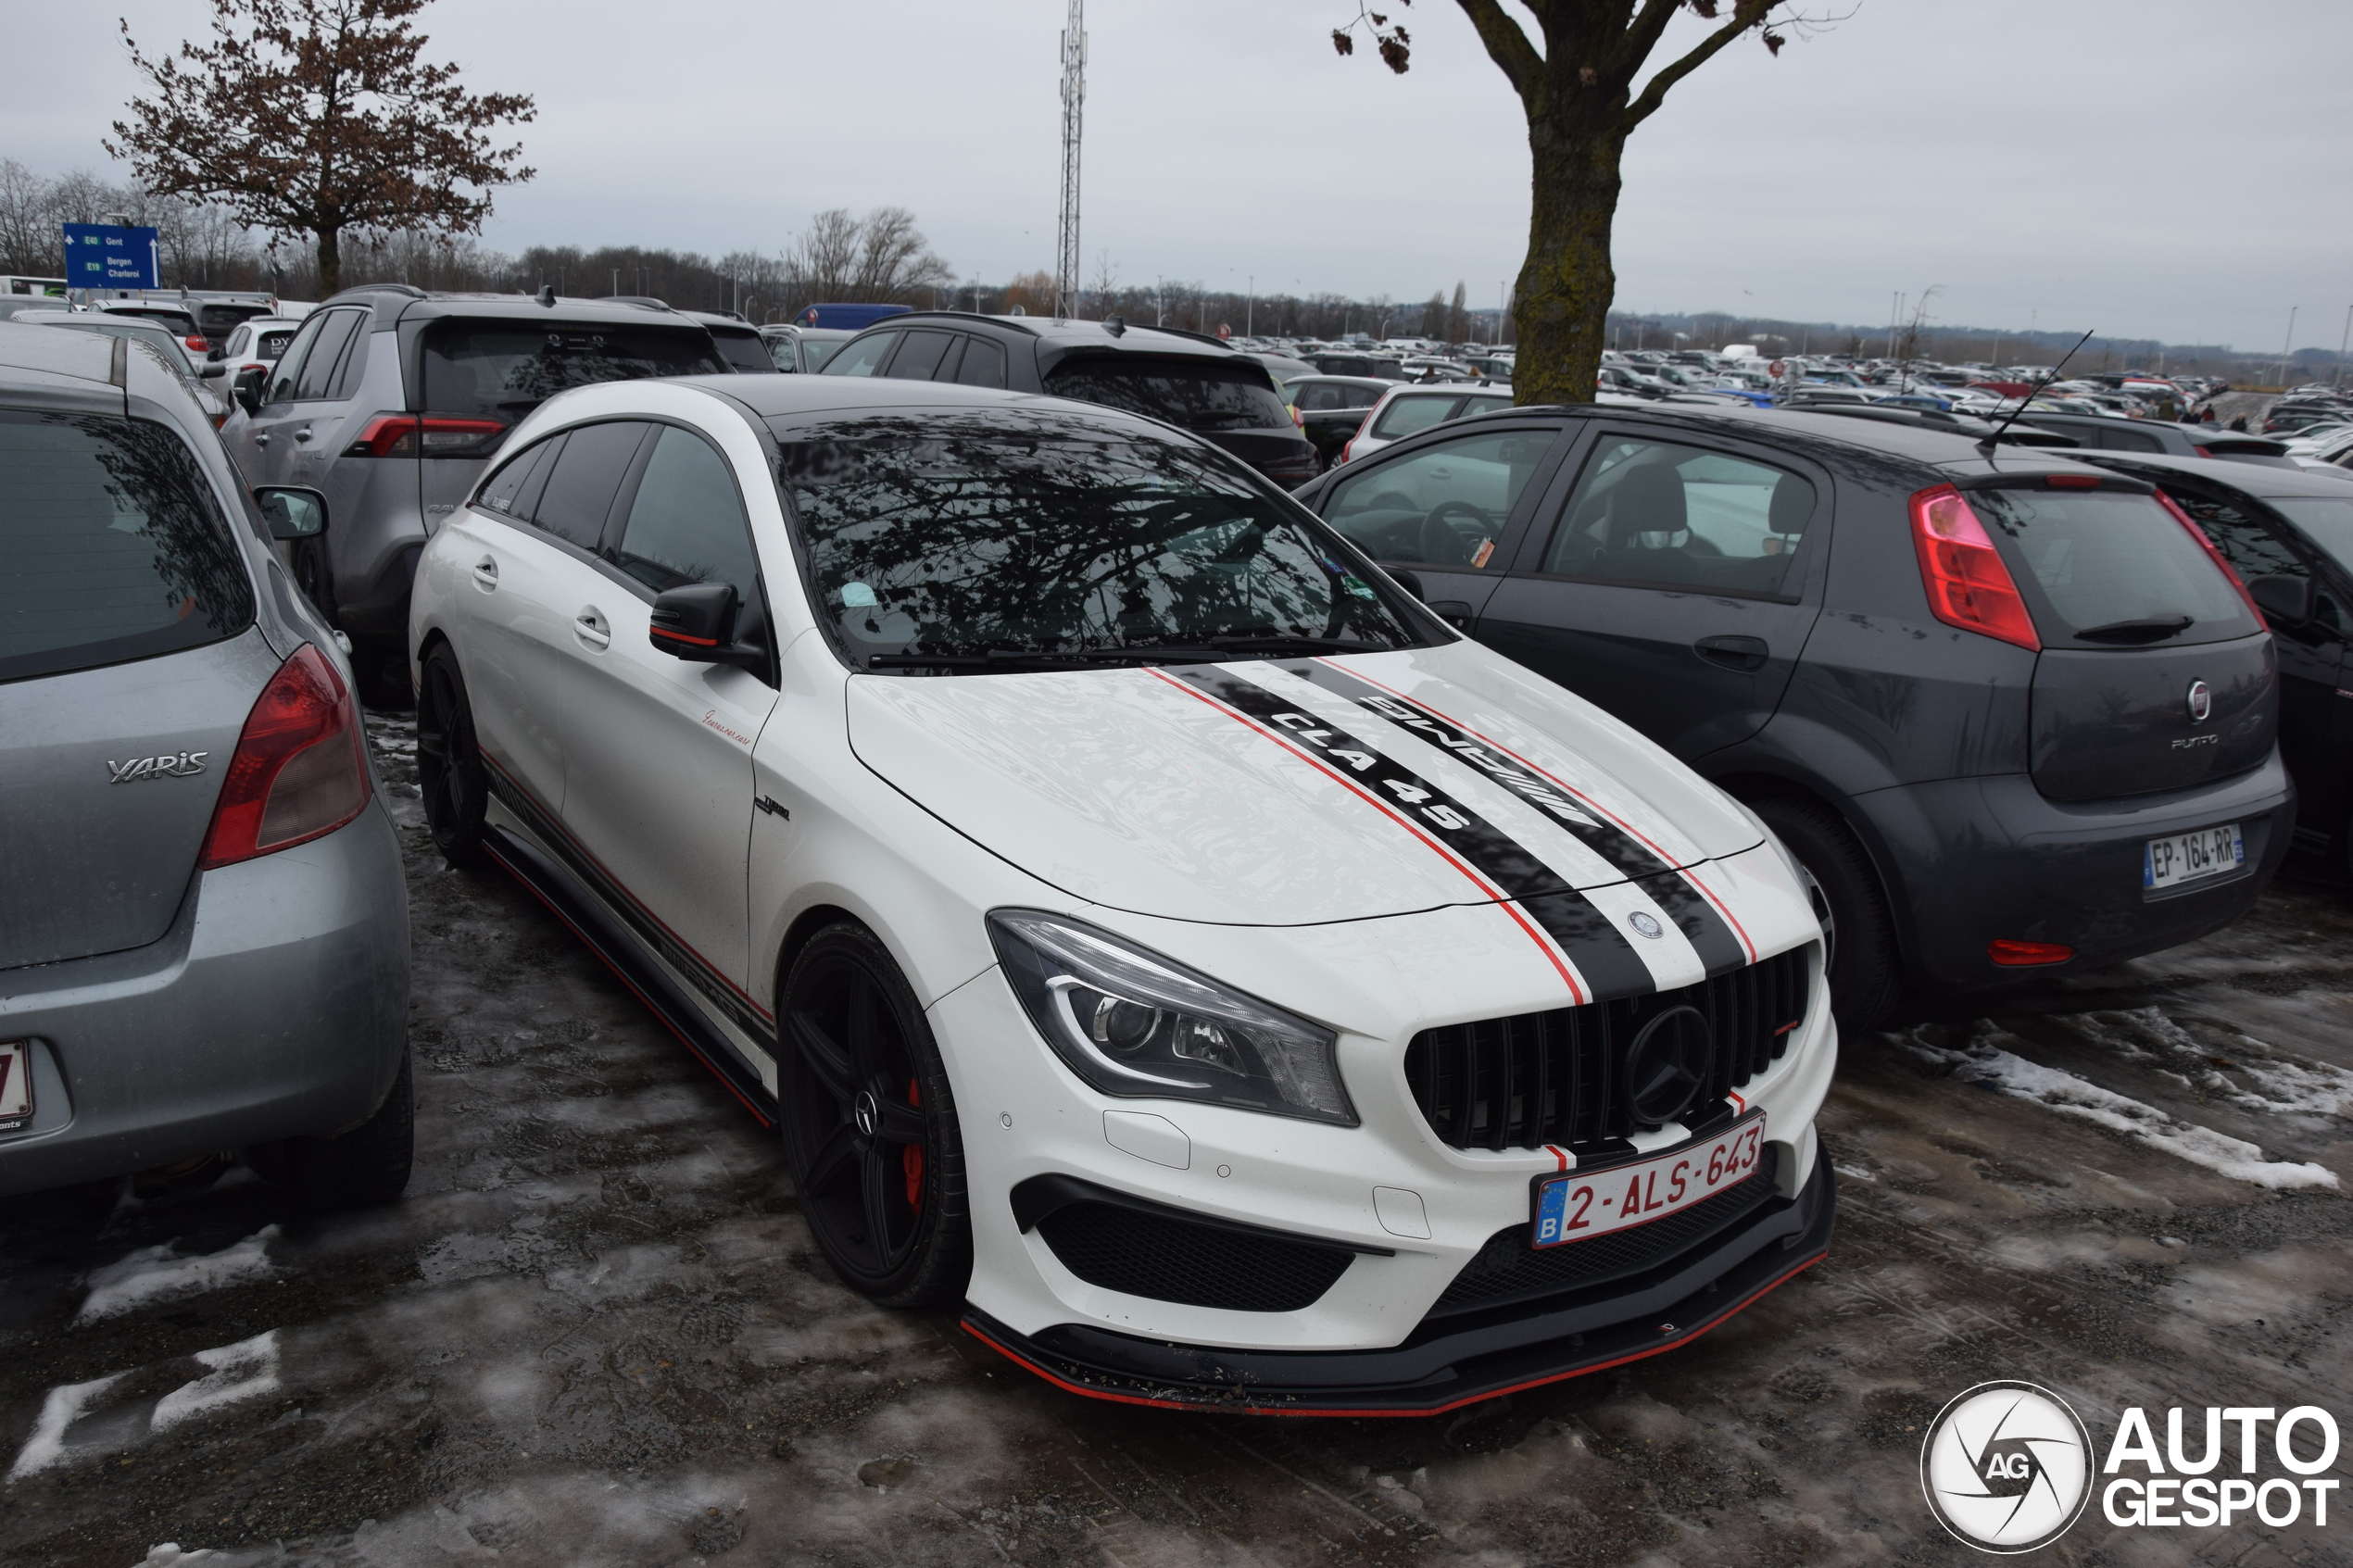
(2002, 429)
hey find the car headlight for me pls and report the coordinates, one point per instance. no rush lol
(1134, 1024)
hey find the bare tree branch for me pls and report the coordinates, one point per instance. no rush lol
(1746, 14)
(1509, 46)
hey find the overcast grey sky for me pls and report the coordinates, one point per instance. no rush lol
(2170, 169)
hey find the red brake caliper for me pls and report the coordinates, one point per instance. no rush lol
(910, 1158)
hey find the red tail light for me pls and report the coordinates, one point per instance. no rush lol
(298, 771)
(2012, 953)
(2072, 480)
(1348, 446)
(425, 435)
(2213, 555)
(2200, 450)
(1968, 584)
(202, 345)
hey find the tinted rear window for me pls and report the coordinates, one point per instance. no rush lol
(503, 370)
(1192, 393)
(112, 546)
(745, 353)
(2108, 568)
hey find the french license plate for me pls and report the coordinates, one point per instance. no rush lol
(1579, 1205)
(16, 1085)
(2189, 857)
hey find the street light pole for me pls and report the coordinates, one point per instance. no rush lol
(2342, 339)
(2286, 342)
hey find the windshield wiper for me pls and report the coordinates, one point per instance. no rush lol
(1287, 643)
(2149, 629)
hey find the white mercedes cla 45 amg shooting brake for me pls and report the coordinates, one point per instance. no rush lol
(1144, 922)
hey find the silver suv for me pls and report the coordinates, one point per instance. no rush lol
(390, 400)
(204, 930)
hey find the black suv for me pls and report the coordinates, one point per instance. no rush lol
(1226, 398)
(392, 400)
(2008, 709)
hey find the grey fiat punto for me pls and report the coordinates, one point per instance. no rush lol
(204, 930)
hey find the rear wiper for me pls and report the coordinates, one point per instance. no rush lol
(2150, 629)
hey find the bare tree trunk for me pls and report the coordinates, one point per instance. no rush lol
(330, 262)
(1561, 308)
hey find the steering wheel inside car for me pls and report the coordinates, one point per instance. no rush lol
(1443, 543)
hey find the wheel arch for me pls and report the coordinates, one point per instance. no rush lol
(1750, 786)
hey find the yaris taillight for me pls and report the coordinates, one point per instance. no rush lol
(298, 771)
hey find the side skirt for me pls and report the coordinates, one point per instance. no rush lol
(611, 940)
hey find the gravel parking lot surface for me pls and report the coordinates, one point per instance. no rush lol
(596, 1332)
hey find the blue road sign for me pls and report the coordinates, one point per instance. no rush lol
(100, 255)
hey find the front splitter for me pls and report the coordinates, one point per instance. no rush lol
(1440, 1367)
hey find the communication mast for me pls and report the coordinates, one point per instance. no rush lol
(1074, 97)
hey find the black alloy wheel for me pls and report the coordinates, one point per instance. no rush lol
(450, 765)
(870, 1123)
(1865, 976)
(315, 576)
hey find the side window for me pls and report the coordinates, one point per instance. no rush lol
(919, 357)
(1443, 506)
(862, 358)
(1319, 396)
(503, 493)
(587, 473)
(2254, 550)
(780, 350)
(354, 362)
(2130, 441)
(282, 379)
(1405, 416)
(984, 364)
(1659, 512)
(1359, 397)
(317, 378)
(686, 524)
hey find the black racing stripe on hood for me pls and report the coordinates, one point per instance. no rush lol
(1712, 938)
(1590, 939)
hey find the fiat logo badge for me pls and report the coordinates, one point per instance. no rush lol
(1646, 924)
(2201, 701)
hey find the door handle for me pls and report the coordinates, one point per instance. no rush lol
(303, 434)
(261, 438)
(589, 627)
(487, 574)
(1744, 653)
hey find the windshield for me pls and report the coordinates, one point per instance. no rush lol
(2327, 520)
(744, 352)
(2115, 569)
(996, 541)
(503, 370)
(1193, 394)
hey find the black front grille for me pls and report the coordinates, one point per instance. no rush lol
(1508, 1269)
(1539, 1078)
(1172, 1259)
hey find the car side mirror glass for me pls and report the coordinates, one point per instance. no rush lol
(292, 512)
(247, 388)
(2285, 599)
(697, 622)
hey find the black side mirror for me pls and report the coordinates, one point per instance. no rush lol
(247, 388)
(2285, 600)
(697, 622)
(291, 511)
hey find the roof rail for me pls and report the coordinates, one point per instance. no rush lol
(642, 301)
(1018, 323)
(411, 290)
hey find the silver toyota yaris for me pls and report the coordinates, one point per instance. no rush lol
(204, 932)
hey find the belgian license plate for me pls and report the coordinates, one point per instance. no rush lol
(1579, 1205)
(2190, 856)
(16, 1085)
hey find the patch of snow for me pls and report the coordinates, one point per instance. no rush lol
(157, 1273)
(2276, 1081)
(243, 1370)
(1853, 1173)
(60, 1410)
(1983, 1061)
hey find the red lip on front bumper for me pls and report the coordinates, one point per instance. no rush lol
(1481, 1364)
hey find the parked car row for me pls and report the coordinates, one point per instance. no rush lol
(1232, 922)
